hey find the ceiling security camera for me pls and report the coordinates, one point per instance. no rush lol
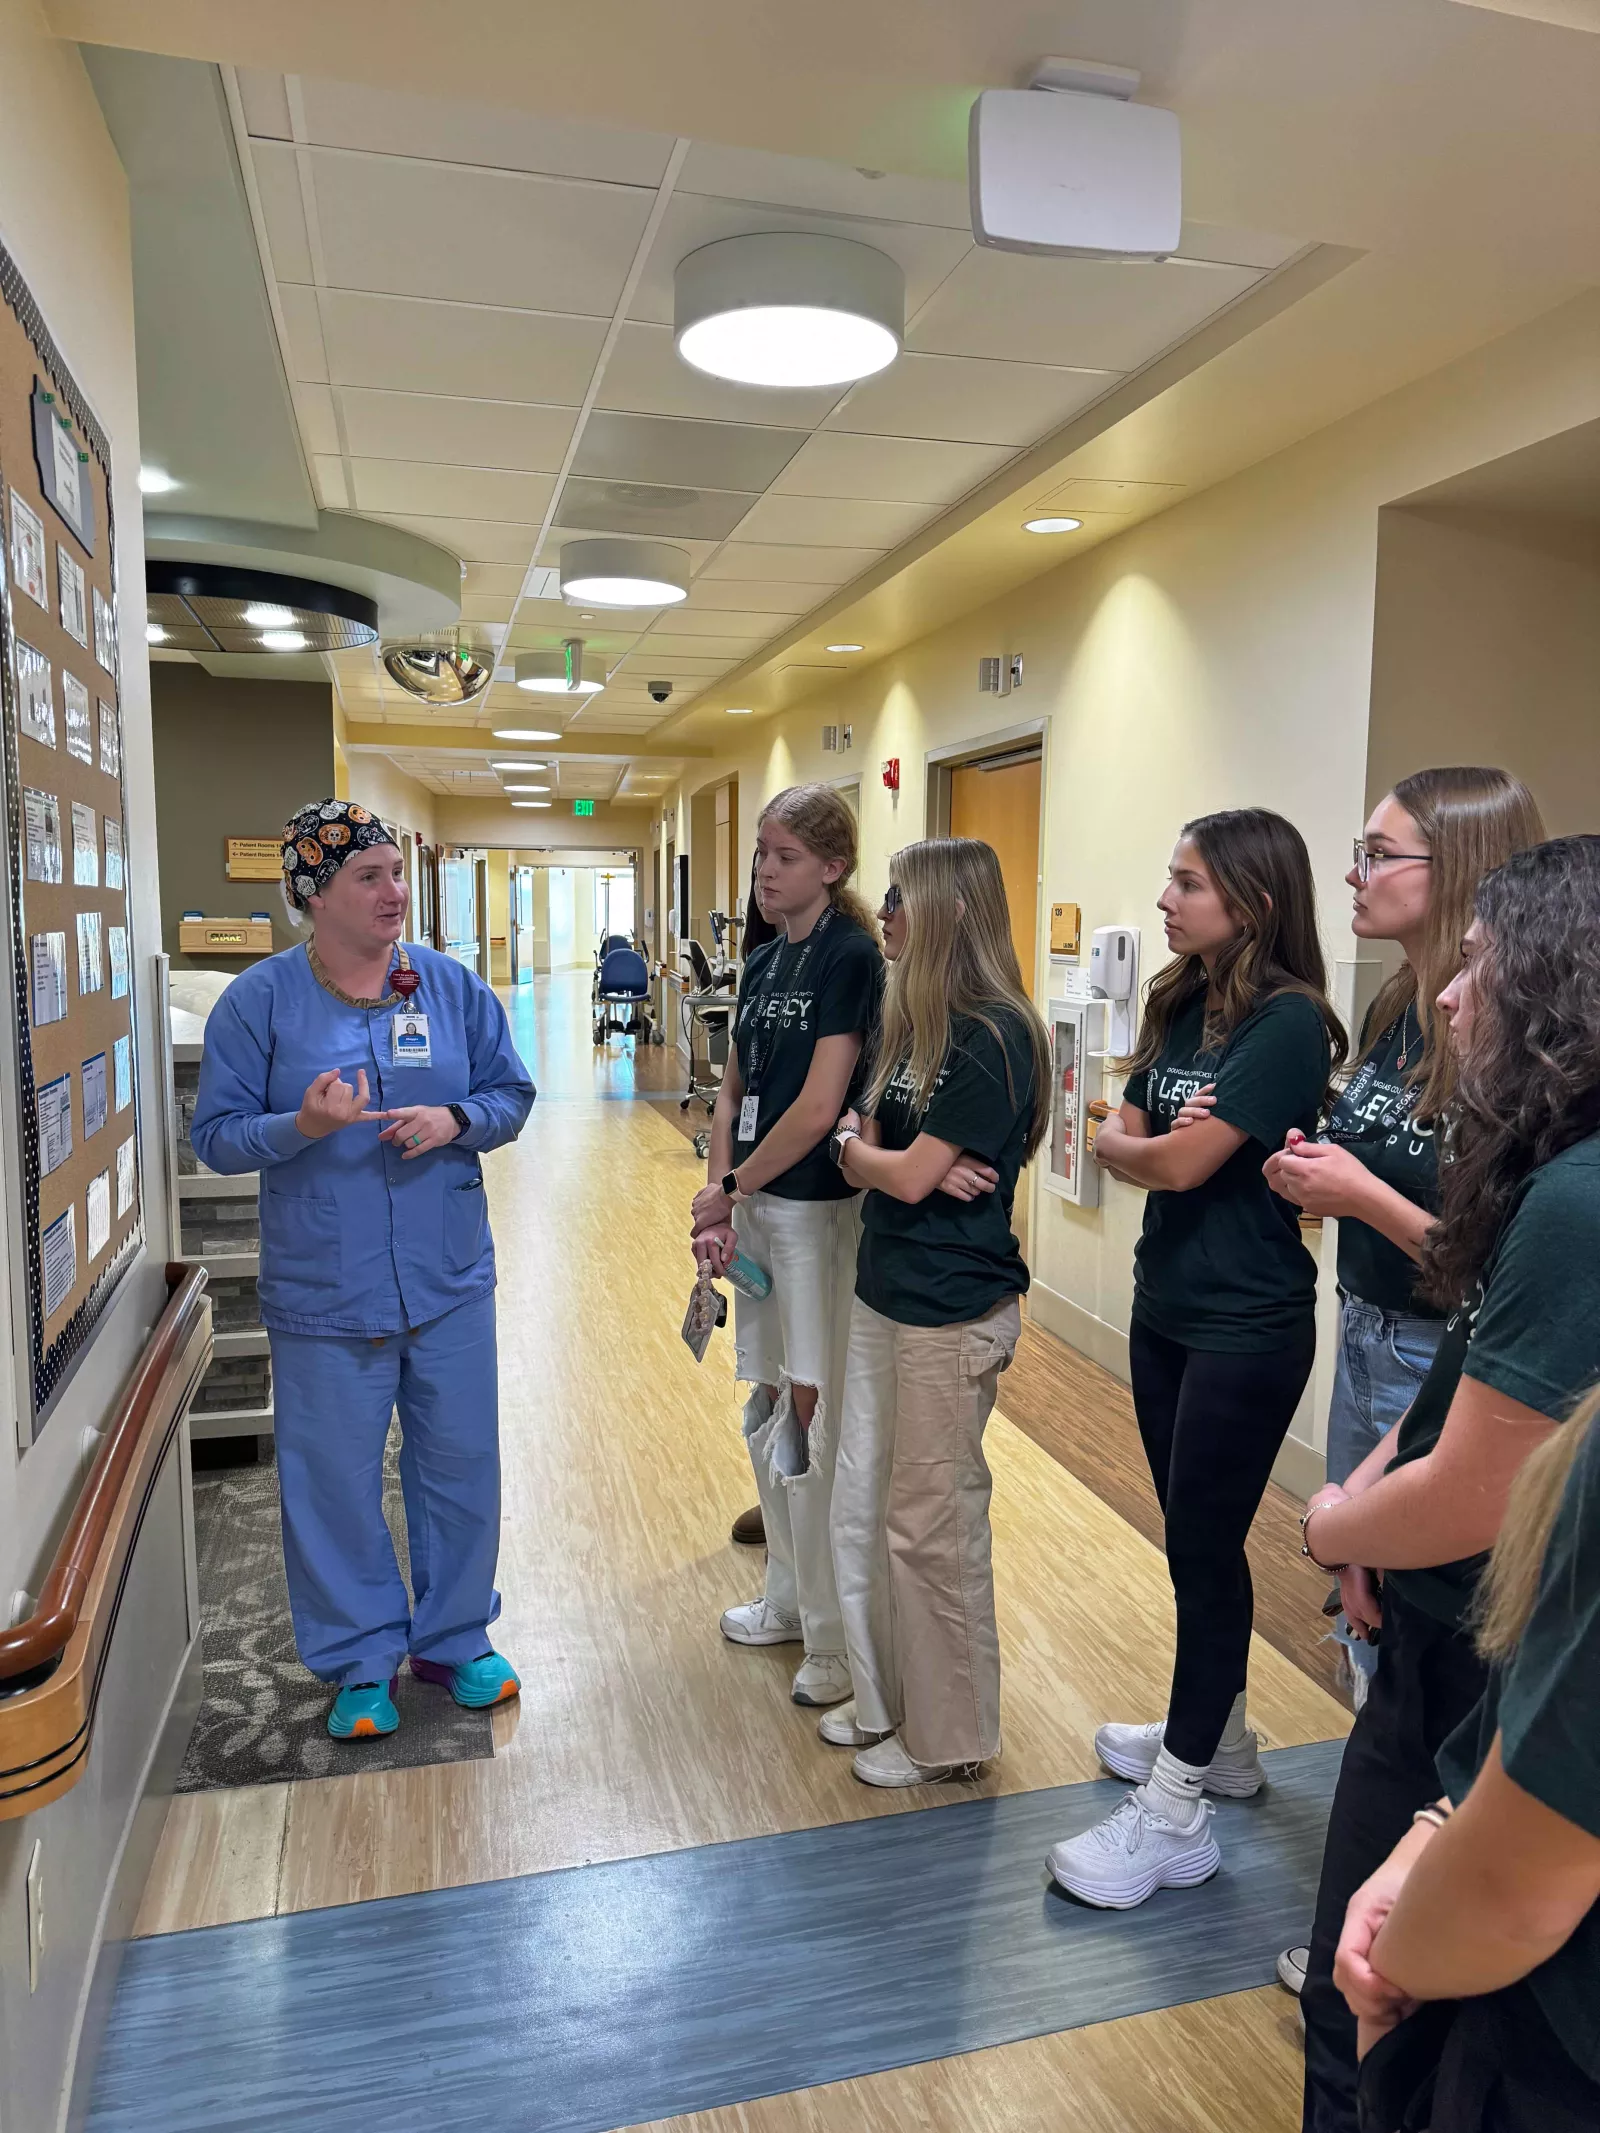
(659, 691)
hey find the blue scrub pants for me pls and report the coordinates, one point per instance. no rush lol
(333, 1397)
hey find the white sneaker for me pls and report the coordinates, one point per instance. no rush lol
(1130, 1752)
(1292, 1966)
(823, 1678)
(759, 1622)
(889, 1764)
(1134, 1852)
(842, 1729)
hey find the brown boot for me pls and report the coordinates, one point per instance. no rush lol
(748, 1529)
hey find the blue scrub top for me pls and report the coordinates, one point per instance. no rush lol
(354, 1240)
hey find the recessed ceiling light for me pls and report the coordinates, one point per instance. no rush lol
(789, 308)
(844, 648)
(743, 711)
(530, 803)
(269, 618)
(155, 481)
(283, 640)
(524, 733)
(615, 573)
(154, 633)
(519, 766)
(527, 788)
(1051, 525)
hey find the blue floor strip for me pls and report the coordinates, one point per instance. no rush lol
(600, 1996)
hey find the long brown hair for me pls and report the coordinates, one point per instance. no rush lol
(1260, 865)
(958, 960)
(1473, 818)
(1511, 1585)
(820, 817)
(1528, 1084)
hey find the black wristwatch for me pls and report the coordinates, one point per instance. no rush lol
(730, 1184)
(460, 1116)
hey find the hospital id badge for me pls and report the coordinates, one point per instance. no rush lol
(747, 1117)
(412, 1045)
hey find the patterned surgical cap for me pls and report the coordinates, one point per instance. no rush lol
(318, 841)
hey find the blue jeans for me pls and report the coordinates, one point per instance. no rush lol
(1383, 1358)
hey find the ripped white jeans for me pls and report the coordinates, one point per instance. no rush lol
(798, 1335)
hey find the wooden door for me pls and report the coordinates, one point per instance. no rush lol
(1002, 807)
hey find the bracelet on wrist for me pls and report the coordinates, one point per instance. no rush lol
(1436, 1815)
(1306, 1517)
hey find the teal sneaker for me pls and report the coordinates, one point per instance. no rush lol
(476, 1683)
(364, 1711)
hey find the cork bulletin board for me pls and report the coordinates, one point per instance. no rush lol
(72, 1101)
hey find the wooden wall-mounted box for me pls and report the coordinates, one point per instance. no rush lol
(225, 936)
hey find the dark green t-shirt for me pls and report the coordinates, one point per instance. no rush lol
(1531, 1330)
(946, 1261)
(1546, 1707)
(1223, 1267)
(1373, 1119)
(792, 993)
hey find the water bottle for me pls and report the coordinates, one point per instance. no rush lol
(748, 1278)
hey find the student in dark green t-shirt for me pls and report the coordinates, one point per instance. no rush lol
(959, 1099)
(1223, 1333)
(1518, 1239)
(1492, 1898)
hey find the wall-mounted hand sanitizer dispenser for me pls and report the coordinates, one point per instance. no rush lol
(1114, 977)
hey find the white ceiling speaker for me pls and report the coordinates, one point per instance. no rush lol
(620, 573)
(1070, 165)
(559, 673)
(789, 308)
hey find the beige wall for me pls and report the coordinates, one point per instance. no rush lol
(499, 871)
(374, 782)
(1219, 655)
(1487, 650)
(497, 822)
(64, 217)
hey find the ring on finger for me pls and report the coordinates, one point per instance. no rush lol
(415, 1141)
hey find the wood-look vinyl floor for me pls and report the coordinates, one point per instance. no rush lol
(1228, 2065)
(639, 1729)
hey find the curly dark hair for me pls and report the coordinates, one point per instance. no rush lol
(1528, 1085)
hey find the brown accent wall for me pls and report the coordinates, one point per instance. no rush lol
(233, 759)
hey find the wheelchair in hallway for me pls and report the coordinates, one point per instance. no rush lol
(620, 1000)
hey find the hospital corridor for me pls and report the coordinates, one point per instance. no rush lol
(800, 1137)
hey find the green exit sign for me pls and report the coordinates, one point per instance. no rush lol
(583, 807)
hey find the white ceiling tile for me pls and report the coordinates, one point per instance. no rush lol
(698, 552)
(826, 521)
(819, 567)
(824, 188)
(469, 433)
(396, 123)
(968, 400)
(1236, 247)
(307, 356)
(319, 428)
(283, 210)
(473, 540)
(696, 619)
(927, 254)
(1091, 313)
(332, 489)
(476, 236)
(486, 607)
(910, 470)
(702, 651)
(266, 104)
(763, 596)
(645, 375)
(391, 485)
(493, 580)
(468, 350)
(670, 451)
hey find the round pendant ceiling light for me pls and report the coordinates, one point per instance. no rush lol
(442, 675)
(615, 573)
(789, 308)
(216, 607)
(559, 673)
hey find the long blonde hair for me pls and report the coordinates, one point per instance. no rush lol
(1507, 1594)
(1473, 819)
(821, 819)
(958, 961)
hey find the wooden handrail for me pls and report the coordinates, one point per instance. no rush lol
(34, 1646)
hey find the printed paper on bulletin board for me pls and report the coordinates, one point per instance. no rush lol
(68, 863)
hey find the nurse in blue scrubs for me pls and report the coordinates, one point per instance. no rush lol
(364, 1080)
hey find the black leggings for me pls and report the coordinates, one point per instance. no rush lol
(1212, 1425)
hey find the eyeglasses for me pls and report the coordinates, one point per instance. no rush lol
(1366, 861)
(891, 899)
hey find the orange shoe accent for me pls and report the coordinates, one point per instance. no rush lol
(362, 1726)
(508, 1688)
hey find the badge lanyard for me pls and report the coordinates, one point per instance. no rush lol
(761, 1052)
(410, 1042)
